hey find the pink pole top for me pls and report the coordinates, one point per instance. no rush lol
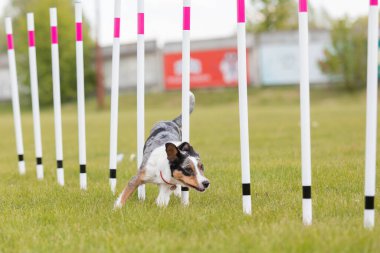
(373, 2)
(186, 18)
(140, 23)
(79, 35)
(54, 35)
(31, 39)
(302, 5)
(10, 41)
(116, 33)
(241, 11)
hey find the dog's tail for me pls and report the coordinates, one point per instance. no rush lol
(178, 120)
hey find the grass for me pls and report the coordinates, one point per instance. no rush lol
(43, 217)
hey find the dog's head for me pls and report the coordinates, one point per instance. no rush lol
(186, 166)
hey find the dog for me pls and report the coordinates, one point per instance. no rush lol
(167, 162)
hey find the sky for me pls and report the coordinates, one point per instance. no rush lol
(210, 18)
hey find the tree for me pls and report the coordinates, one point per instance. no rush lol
(66, 30)
(346, 57)
(274, 15)
(282, 15)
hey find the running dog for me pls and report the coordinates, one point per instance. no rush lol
(167, 162)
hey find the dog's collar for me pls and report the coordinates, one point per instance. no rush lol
(172, 186)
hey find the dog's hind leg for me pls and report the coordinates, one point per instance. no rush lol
(135, 182)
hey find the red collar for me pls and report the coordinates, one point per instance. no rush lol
(173, 186)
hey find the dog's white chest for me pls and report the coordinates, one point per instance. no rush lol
(157, 168)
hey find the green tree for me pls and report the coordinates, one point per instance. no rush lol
(66, 31)
(346, 57)
(282, 15)
(273, 15)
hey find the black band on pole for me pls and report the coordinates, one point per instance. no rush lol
(112, 173)
(39, 160)
(184, 189)
(369, 202)
(20, 158)
(82, 168)
(59, 164)
(306, 192)
(246, 189)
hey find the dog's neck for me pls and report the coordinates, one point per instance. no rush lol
(158, 163)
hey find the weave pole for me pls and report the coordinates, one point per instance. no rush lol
(305, 112)
(140, 90)
(56, 95)
(115, 97)
(371, 131)
(243, 108)
(15, 97)
(35, 96)
(186, 85)
(80, 96)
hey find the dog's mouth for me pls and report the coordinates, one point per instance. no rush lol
(196, 188)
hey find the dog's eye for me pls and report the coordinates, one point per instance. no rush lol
(202, 168)
(187, 171)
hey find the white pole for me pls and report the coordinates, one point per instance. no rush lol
(57, 95)
(15, 97)
(140, 90)
(371, 132)
(186, 84)
(115, 97)
(305, 112)
(35, 96)
(243, 109)
(80, 96)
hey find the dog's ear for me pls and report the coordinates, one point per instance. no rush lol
(172, 151)
(186, 147)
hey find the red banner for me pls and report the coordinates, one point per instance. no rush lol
(212, 68)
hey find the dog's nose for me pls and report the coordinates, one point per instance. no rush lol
(206, 184)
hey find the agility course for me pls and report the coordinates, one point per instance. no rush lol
(258, 119)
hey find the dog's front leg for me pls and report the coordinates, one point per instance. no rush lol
(163, 196)
(177, 191)
(135, 182)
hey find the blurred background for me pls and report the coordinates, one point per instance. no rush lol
(338, 45)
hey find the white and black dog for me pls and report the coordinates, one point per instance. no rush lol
(168, 163)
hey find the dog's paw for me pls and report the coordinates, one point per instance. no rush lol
(162, 201)
(177, 191)
(117, 205)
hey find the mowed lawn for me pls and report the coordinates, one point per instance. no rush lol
(44, 217)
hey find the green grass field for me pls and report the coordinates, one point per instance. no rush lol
(43, 217)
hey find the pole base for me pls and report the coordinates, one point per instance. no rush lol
(247, 205)
(61, 176)
(113, 185)
(83, 181)
(21, 167)
(40, 171)
(307, 214)
(369, 219)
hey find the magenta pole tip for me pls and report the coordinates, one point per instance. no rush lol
(241, 11)
(302, 5)
(10, 41)
(140, 23)
(373, 2)
(186, 18)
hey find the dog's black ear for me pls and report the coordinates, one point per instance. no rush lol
(186, 147)
(172, 151)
